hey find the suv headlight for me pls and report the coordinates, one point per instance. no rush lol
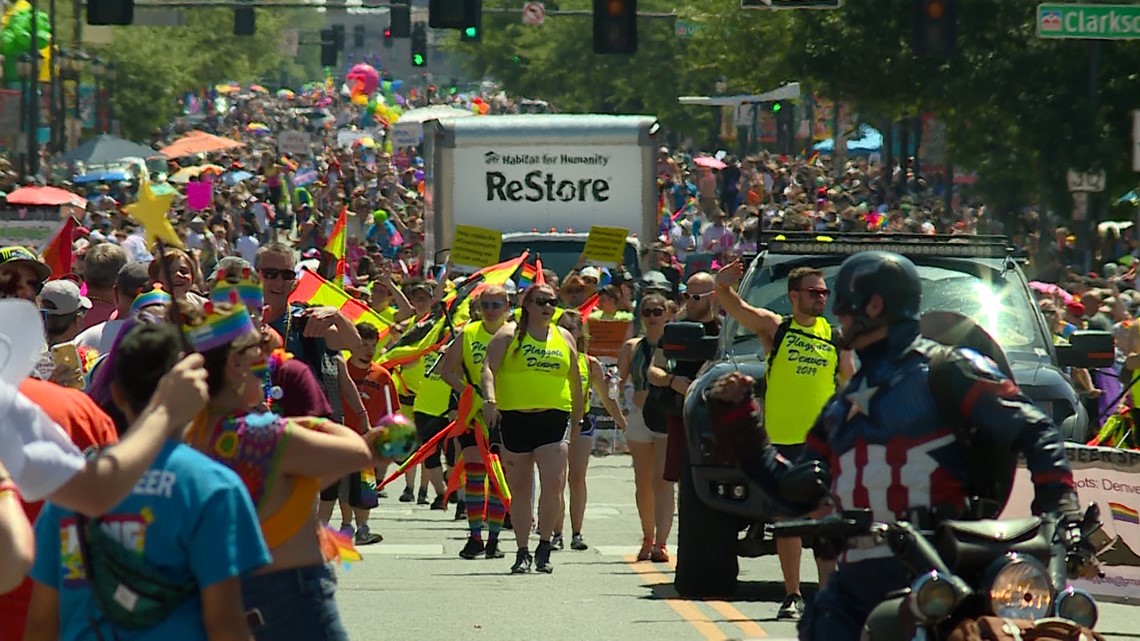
(1019, 588)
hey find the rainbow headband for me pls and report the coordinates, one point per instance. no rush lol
(156, 296)
(219, 330)
(248, 292)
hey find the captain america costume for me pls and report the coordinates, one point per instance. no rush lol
(889, 441)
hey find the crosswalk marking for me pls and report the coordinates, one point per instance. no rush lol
(402, 549)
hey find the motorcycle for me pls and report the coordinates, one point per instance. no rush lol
(1013, 569)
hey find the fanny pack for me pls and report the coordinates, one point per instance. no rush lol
(129, 591)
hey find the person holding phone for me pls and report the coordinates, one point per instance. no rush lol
(63, 309)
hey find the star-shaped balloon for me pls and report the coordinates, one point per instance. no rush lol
(150, 211)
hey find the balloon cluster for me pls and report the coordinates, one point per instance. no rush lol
(16, 37)
(398, 439)
(479, 107)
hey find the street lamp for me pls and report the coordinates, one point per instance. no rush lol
(98, 68)
(111, 74)
(23, 70)
(79, 62)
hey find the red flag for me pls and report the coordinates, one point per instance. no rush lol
(539, 277)
(57, 252)
(587, 308)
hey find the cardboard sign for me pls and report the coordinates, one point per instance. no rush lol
(606, 245)
(199, 195)
(607, 336)
(294, 142)
(1111, 478)
(476, 246)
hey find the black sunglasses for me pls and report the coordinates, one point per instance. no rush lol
(545, 302)
(492, 304)
(269, 273)
(655, 312)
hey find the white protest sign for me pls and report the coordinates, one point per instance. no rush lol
(294, 142)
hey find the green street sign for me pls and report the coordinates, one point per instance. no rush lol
(686, 29)
(1089, 21)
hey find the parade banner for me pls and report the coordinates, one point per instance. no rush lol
(1111, 479)
(607, 336)
(475, 247)
(606, 245)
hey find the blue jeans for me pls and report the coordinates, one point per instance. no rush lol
(292, 604)
(838, 610)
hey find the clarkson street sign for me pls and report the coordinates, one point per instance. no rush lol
(1089, 21)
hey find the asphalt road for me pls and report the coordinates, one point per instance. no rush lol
(413, 585)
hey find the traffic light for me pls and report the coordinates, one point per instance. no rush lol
(110, 12)
(244, 21)
(777, 106)
(388, 37)
(419, 45)
(328, 48)
(358, 36)
(338, 36)
(935, 28)
(473, 32)
(400, 19)
(615, 26)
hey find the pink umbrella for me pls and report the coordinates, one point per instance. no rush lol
(710, 162)
(1049, 289)
(45, 196)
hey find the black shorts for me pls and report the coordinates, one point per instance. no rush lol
(347, 487)
(467, 439)
(525, 432)
(428, 426)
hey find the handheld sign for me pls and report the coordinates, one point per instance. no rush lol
(607, 336)
(606, 245)
(475, 247)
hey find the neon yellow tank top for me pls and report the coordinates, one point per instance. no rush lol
(801, 378)
(434, 394)
(584, 375)
(534, 376)
(413, 374)
(475, 341)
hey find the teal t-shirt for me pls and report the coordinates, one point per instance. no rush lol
(189, 516)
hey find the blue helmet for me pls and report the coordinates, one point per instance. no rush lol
(890, 276)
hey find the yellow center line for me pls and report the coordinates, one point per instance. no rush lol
(685, 609)
(749, 627)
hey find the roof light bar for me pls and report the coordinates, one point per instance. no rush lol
(906, 244)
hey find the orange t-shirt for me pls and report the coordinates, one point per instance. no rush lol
(376, 391)
(89, 428)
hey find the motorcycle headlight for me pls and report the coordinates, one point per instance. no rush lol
(1019, 588)
(1077, 606)
(932, 597)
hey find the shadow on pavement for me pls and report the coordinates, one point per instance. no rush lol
(746, 592)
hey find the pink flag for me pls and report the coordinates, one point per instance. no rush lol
(199, 195)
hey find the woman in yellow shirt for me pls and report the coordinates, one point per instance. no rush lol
(532, 392)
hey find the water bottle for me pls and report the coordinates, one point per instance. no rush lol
(615, 388)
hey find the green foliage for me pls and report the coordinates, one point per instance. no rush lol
(157, 64)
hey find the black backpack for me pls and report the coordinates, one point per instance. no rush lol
(785, 326)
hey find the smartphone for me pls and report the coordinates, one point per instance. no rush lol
(67, 356)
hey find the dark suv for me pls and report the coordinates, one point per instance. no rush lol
(977, 276)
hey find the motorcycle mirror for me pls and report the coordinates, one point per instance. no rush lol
(1088, 349)
(686, 341)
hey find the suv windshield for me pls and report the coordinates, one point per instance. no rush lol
(1001, 304)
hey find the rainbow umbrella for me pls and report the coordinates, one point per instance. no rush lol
(286, 94)
(258, 89)
(367, 142)
(257, 128)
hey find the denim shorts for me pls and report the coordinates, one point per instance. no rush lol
(295, 604)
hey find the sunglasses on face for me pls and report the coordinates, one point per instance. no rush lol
(821, 292)
(697, 297)
(656, 312)
(545, 302)
(270, 273)
(492, 304)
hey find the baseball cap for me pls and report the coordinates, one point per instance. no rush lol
(15, 255)
(591, 272)
(60, 297)
(133, 277)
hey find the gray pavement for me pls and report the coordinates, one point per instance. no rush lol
(413, 585)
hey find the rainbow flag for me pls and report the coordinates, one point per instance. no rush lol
(527, 275)
(338, 244)
(311, 289)
(1121, 512)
